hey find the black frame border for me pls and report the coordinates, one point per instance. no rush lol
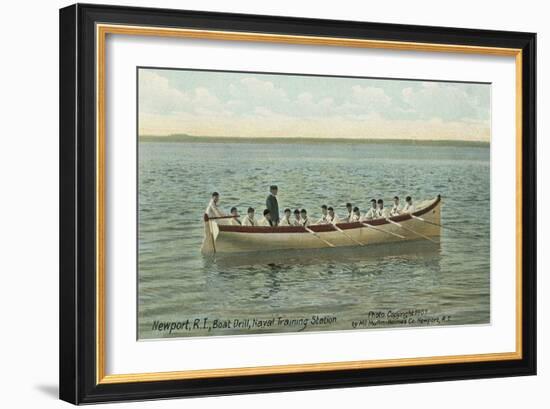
(77, 255)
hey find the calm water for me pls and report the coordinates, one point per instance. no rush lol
(329, 289)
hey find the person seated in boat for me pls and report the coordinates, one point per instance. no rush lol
(213, 210)
(371, 213)
(356, 216)
(396, 208)
(304, 219)
(266, 220)
(324, 214)
(286, 221)
(249, 219)
(349, 207)
(331, 216)
(297, 219)
(409, 206)
(234, 221)
(381, 211)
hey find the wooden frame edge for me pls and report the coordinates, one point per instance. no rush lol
(301, 368)
(103, 29)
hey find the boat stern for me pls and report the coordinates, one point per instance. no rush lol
(211, 231)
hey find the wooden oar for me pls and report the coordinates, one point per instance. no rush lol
(222, 217)
(319, 237)
(412, 231)
(213, 238)
(370, 226)
(347, 235)
(436, 224)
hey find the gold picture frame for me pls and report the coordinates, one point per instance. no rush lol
(99, 19)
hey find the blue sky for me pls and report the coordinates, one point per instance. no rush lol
(206, 103)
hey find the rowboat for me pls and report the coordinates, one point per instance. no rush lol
(423, 224)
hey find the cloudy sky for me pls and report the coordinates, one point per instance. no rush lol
(206, 103)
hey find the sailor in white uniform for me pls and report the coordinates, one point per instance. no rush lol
(297, 219)
(286, 221)
(249, 219)
(409, 206)
(396, 208)
(324, 214)
(266, 220)
(371, 213)
(234, 221)
(331, 217)
(356, 216)
(213, 210)
(381, 211)
(304, 220)
(349, 207)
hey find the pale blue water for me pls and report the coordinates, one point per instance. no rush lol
(176, 283)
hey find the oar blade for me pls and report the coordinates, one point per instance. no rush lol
(383, 231)
(413, 231)
(347, 235)
(328, 243)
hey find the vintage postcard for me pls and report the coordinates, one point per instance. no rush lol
(280, 203)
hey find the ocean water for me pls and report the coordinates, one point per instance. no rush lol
(182, 293)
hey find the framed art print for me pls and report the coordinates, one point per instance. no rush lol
(258, 203)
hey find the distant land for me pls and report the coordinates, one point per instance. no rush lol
(266, 140)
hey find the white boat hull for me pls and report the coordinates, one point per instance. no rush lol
(234, 239)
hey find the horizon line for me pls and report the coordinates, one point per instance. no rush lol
(182, 137)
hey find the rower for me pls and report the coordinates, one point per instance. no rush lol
(213, 210)
(349, 206)
(304, 220)
(371, 213)
(297, 219)
(272, 205)
(249, 219)
(381, 211)
(331, 217)
(356, 216)
(266, 220)
(285, 221)
(234, 221)
(396, 208)
(324, 212)
(409, 206)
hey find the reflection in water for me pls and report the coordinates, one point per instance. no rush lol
(317, 268)
(280, 259)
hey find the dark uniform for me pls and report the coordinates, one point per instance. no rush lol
(273, 206)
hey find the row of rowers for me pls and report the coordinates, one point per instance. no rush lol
(300, 217)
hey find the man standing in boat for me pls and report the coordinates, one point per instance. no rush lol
(213, 210)
(249, 220)
(409, 206)
(272, 205)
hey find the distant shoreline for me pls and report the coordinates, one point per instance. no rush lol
(269, 140)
